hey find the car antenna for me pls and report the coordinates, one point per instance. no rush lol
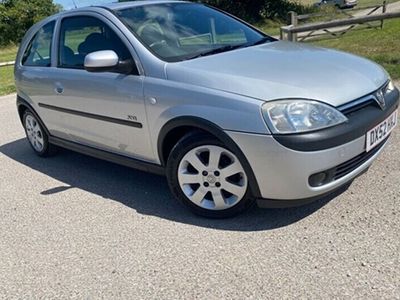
(73, 1)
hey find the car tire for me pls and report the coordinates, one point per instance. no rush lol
(208, 177)
(37, 136)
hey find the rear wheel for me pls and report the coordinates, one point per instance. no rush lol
(37, 137)
(208, 177)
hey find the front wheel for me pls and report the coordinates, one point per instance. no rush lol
(37, 137)
(208, 177)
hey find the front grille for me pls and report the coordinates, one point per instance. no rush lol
(356, 106)
(349, 166)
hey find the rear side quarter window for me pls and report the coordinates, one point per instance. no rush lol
(38, 51)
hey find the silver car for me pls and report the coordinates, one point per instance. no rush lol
(230, 116)
(338, 3)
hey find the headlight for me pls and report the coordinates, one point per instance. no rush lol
(297, 116)
(390, 87)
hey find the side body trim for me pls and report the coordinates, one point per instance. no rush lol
(92, 116)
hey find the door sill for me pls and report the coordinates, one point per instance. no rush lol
(108, 156)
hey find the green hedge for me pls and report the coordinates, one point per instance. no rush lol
(254, 10)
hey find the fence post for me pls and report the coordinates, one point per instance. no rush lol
(290, 35)
(384, 8)
(294, 22)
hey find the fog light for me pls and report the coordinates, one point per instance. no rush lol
(318, 179)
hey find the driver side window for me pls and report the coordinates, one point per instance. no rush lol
(83, 35)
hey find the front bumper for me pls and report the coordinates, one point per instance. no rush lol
(283, 167)
(283, 174)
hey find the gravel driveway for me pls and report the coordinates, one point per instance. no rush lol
(76, 227)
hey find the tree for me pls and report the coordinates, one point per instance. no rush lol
(249, 10)
(254, 10)
(17, 16)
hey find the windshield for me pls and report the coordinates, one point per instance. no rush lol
(181, 31)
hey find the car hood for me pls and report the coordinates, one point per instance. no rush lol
(282, 70)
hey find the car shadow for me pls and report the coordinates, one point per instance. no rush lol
(146, 193)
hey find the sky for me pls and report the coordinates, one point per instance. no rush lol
(68, 4)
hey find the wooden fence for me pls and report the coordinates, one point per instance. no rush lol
(8, 63)
(290, 32)
(339, 15)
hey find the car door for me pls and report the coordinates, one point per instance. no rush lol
(33, 78)
(102, 110)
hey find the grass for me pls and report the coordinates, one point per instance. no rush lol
(7, 80)
(8, 54)
(381, 46)
(365, 3)
(270, 27)
(7, 73)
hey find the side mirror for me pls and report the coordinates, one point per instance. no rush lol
(108, 61)
(101, 61)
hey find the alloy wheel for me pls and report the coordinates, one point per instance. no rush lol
(212, 177)
(34, 132)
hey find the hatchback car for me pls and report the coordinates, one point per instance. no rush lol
(230, 116)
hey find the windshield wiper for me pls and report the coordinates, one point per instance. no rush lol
(217, 50)
(232, 47)
(263, 40)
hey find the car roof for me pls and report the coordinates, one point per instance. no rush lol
(110, 6)
(123, 5)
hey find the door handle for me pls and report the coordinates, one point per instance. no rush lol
(59, 89)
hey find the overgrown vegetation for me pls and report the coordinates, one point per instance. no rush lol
(256, 10)
(17, 16)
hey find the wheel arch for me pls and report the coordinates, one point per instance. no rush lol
(22, 106)
(176, 128)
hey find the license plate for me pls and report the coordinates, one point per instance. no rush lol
(376, 135)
